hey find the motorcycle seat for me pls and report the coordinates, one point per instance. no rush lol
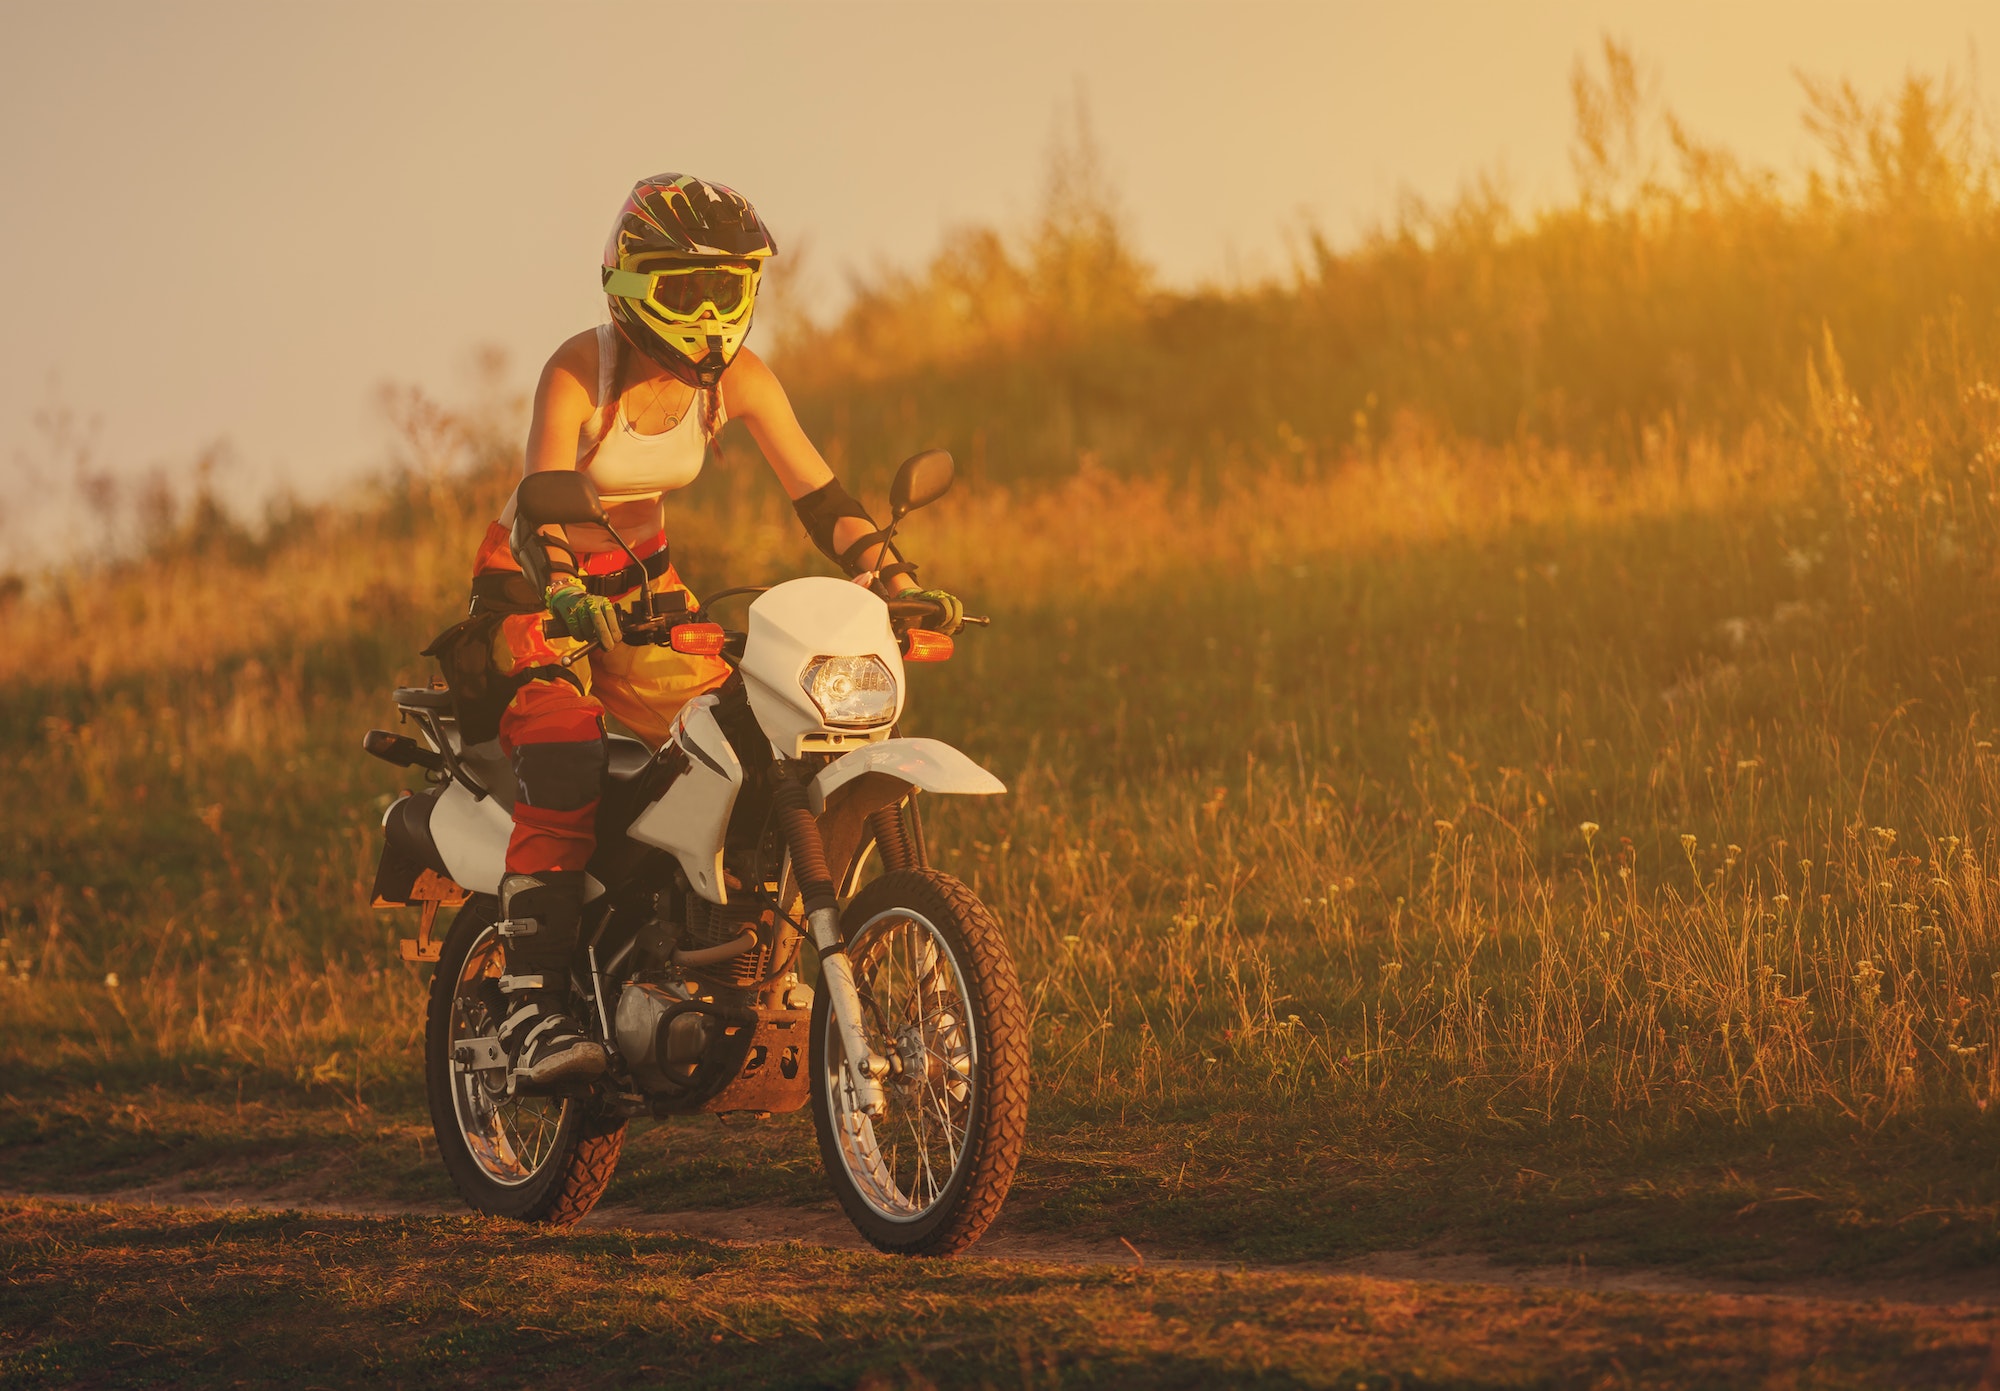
(628, 758)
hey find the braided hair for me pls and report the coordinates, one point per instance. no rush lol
(607, 409)
(621, 353)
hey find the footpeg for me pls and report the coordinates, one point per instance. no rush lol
(478, 1055)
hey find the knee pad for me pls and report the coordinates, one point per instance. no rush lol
(563, 776)
(553, 901)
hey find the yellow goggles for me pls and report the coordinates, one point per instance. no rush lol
(683, 292)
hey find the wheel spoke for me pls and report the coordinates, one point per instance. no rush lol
(915, 994)
(510, 1138)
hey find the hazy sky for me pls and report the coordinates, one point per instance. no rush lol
(233, 221)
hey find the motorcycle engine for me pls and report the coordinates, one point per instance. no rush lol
(662, 1052)
(711, 925)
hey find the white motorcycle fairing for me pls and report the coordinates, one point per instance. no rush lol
(693, 815)
(790, 625)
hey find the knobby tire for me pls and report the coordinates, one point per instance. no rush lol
(588, 1142)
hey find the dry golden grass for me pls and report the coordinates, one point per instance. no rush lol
(1732, 920)
(1414, 780)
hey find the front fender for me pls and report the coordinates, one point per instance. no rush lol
(930, 764)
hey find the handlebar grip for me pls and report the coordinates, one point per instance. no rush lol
(930, 608)
(632, 627)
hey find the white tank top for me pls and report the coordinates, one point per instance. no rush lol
(629, 466)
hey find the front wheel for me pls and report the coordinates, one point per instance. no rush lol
(943, 1005)
(531, 1158)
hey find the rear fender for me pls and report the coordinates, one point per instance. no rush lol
(471, 837)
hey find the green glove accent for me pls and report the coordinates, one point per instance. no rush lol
(589, 617)
(953, 617)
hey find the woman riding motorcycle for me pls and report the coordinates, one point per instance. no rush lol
(680, 272)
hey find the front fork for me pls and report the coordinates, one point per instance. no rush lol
(865, 1067)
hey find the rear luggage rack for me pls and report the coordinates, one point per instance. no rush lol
(430, 707)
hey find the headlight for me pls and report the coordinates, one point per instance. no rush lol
(851, 692)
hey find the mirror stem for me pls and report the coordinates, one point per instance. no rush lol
(889, 553)
(645, 580)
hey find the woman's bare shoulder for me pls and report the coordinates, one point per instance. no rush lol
(573, 365)
(749, 385)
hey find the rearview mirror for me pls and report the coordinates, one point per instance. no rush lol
(921, 481)
(557, 497)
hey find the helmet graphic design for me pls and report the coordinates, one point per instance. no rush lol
(681, 271)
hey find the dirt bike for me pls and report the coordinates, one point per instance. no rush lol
(762, 925)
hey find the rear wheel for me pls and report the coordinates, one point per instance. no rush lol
(943, 1004)
(532, 1158)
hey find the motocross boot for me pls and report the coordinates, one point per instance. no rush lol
(548, 1051)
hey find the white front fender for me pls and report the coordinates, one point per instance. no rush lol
(930, 764)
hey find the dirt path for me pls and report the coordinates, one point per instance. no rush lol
(827, 1227)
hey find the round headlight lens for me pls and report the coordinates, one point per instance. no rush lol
(851, 692)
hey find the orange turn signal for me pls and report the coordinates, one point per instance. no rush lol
(923, 645)
(699, 639)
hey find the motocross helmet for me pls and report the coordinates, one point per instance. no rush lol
(681, 271)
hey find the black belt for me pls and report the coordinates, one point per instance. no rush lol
(616, 583)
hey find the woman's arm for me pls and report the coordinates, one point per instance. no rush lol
(562, 405)
(751, 393)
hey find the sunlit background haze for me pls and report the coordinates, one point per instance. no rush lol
(231, 223)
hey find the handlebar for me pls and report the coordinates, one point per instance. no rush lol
(658, 631)
(928, 608)
(633, 626)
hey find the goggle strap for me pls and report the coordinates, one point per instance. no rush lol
(627, 284)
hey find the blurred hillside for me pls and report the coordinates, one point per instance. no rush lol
(1679, 294)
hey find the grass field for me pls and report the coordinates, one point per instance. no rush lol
(1415, 840)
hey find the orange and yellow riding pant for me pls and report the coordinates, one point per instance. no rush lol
(552, 729)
